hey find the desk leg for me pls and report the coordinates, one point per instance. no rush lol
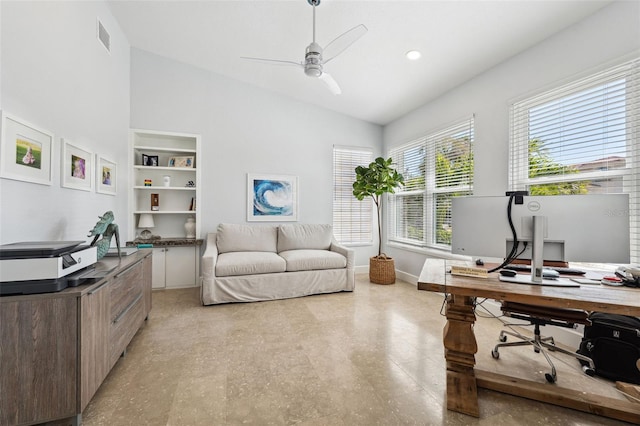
(460, 348)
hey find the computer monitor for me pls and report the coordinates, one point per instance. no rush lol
(572, 228)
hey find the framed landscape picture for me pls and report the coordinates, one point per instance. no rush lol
(26, 152)
(106, 175)
(272, 198)
(77, 167)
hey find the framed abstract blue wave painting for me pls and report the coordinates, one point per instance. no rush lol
(272, 198)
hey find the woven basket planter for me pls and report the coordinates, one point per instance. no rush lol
(382, 270)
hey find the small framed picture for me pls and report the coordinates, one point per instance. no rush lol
(149, 160)
(181, 161)
(77, 167)
(26, 152)
(106, 174)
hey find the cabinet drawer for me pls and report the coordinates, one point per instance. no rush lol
(124, 327)
(125, 289)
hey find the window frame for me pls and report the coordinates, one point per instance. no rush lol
(520, 137)
(430, 192)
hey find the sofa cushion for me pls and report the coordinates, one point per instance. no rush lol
(233, 237)
(249, 263)
(308, 260)
(304, 236)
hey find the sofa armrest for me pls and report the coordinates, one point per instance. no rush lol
(350, 254)
(208, 267)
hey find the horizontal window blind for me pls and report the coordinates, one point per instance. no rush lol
(453, 174)
(406, 207)
(435, 168)
(581, 138)
(352, 219)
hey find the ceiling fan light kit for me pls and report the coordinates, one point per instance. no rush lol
(314, 61)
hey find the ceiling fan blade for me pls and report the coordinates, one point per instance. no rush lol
(340, 43)
(331, 83)
(274, 61)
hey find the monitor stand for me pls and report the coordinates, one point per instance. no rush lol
(526, 279)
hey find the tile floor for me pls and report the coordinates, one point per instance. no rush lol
(371, 357)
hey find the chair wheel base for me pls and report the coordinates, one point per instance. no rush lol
(495, 354)
(551, 378)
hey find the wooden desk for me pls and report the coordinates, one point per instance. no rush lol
(460, 345)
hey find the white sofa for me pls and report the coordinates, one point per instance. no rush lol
(250, 263)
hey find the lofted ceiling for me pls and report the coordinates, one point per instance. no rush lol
(457, 39)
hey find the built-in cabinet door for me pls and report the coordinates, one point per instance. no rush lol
(180, 266)
(94, 342)
(157, 275)
(174, 267)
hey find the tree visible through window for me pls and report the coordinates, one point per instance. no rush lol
(436, 168)
(581, 138)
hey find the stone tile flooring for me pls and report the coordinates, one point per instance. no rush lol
(371, 357)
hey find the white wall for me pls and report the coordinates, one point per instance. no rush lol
(245, 130)
(611, 34)
(57, 76)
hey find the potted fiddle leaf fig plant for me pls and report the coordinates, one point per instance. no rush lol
(378, 178)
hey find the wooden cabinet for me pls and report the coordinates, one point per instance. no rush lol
(38, 355)
(57, 348)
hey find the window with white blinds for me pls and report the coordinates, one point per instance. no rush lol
(582, 138)
(436, 168)
(352, 219)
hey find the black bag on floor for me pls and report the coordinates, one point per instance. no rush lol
(613, 343)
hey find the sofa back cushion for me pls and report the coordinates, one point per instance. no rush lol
(233, 237)
(304, 237)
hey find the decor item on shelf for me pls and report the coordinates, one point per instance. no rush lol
(181, 161)
(190, 227)
(107, 229)
(190, 184)
(146, 222)
(192, 206)
(148, 182)
(149, 160)
(155, 202)
(373, 181)
(167, 180)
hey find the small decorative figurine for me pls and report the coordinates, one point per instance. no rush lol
(190, 184)
(107, 229)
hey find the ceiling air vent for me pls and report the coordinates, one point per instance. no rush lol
(104, 37)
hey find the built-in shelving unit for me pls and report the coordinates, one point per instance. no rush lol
(154, 156)
(178, 200)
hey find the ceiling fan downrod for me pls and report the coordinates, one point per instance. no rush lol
(313, 54)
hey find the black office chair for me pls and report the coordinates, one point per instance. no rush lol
(540, 316)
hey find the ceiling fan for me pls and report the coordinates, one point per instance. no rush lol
(315, 57)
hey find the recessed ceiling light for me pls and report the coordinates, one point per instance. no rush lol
(413, 55)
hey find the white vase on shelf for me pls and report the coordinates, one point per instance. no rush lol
(190, 227)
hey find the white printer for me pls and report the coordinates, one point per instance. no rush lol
(42, 266)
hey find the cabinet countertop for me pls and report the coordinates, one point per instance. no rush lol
(165, 242)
